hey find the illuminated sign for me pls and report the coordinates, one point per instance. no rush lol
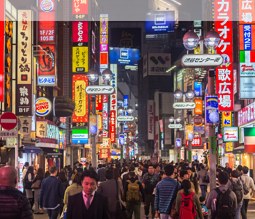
(192, 60)
(99, 89)
(80, 59)
(42, 106)
(230, 134)
(184, 105)
(175, 126)
(80, 136)
(125, 118)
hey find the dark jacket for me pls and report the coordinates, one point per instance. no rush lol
(51, 193)
(76, 208)
(13, 204)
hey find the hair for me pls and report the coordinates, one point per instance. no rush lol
(77, 178)
(89, 173)
(239, 168)
(53, 169)
(116, 173)
(186, 185)
(26, 164)
(131, 168)
(30, 169)
(223, 178)
(169, 169)
(201, 198)
(62, 176)
(109, 173)
(183, 172)
(132, 174)
(40, 173)
(245, 169)
(235, 174)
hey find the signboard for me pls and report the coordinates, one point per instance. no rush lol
(79, 7)
(157, 63)
(192, 60)
(229, 147)
(230, 134)
(99, 89)
(184, 105)
(196, 142)
(175, 126)
(43, 106)
(8, 134)
(159, 22)
(80, 32)
(247, 11)
(124, 56)
(226, 119)
(246, 114)
(199, 106)
(198, 88)
(125, 118)
(80, 98)
(247, 87)
(80, 59)
(211, 109)
(224, 74)
(8, 120)
(80, 136)
(150, 119)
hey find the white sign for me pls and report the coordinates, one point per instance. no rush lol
(230, 134)
(247, 87)
(184, 105)
(247, 69)
(150, 118)
(175, 126)
(8, 134)
(98, 89)
(125, 118)
(199, 60)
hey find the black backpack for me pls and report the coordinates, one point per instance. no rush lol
(224, 205)
(237, 188)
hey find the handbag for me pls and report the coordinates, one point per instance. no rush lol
(36, 184)
(120, 208)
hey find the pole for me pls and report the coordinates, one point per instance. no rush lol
(211, 137)
(93, 137)
(17, 152)
(121, 145)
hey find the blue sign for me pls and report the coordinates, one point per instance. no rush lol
(211, 109)
(160, 22)
(247, 36)
(124, 56)
(125, 101)
(198, 88)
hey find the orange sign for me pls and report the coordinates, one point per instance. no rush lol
(199, 107)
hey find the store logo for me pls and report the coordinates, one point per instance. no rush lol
(47, 5)
(124, 54)
(42, 106)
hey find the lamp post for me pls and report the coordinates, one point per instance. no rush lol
(94, 90)
(124, 115)
(211, 41)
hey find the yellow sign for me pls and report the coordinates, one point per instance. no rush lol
(229, 147)
(80, 60)
(189, 129)
(226, 119)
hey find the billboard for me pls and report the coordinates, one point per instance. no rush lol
(124, 56)
(230, 134)
(159, 22)
(80, 136)
(80, 32)
(80, 59)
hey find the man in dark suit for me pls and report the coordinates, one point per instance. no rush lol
(88, 204)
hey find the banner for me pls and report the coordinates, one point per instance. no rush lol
(80, 59)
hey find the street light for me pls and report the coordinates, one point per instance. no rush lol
(93, 77)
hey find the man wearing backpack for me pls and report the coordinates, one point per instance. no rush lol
(134, 195)
(236, 186)
(248, 183)
(222, 201)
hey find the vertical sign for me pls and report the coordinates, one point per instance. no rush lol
(80, 32)
(2, 16)
(105, 113)
(80, 98)
(24, 64)
(150, 119)
(246, 11)
(79, 8)
(224, 73)
(113, 104)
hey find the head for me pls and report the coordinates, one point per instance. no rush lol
(202, 199)
(227, 165)
(235, 174)
(30, 169)
(8, 176)
(53, 171)
(26, 164)
(186, 185)
(62, 176)
(169, 170)
(184, 174)
(239, 168)
(132, 174)
(223, 178)
(77, 178)
(151, 169)
(109, 174)
(157, 168)
(40, 172)
(89, 181)
(245, 170)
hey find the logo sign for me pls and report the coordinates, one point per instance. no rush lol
(97, 89)
(47, 5)
(192, 60)
(125, 118)
(198, 120)
(175, 126)
(43, 106)
(230, 134)
(184, 105)
(80, 136)
(226, 119)
(8, 120)
(247, 69)
(178, 142)
(196, 142)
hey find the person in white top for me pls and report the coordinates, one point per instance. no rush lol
(248, 181)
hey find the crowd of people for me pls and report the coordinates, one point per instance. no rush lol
(113, 191)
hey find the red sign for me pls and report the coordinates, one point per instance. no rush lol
(112, 125)
(99, 103)
(80, 31)
(47, 61)
(80, 7)
(224, 73)
(8, 120)
(246, 11)
(196, 142)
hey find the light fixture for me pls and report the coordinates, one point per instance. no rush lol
(178, 94)
(120, 110)
(130, 110)
(178, 120)
(171, 119)
(93, 75)
(190, 94)
(107, 75)
(211, 39)
(190, 40)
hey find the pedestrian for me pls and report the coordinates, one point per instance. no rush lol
(222, 201)
(36, 186)
(13, 203)
(101, 172)
(205, 210)
(134, 195)
(228, 168)
(203, 179)
(51, 193)
(88, 204)
(187, 203)
(166, 191)
(64, 184)
(149, 182)
(249, 184)
(28, 181)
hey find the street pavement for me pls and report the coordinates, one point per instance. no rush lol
(251, 212)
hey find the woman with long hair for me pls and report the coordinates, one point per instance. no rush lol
(28, 181)
(36, 186)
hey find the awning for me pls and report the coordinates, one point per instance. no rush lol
(32, 149)
(239, 150)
